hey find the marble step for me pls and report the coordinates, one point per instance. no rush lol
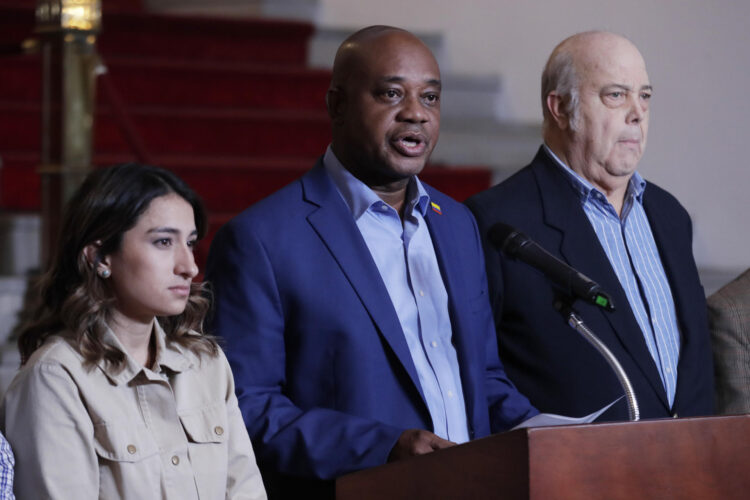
(479, 96)
(19, 252)
(12, 293)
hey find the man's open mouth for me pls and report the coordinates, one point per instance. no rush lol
(410, 144)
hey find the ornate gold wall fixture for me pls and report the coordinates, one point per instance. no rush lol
(67, 31)
(82, 15)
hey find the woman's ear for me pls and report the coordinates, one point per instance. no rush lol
(99, 264)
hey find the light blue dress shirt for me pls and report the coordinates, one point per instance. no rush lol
(629, 244)
(405, 258)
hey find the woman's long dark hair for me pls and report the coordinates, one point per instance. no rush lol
(77, 302)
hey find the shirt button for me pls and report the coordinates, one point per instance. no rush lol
(131, 449)
(450, 394)
(421, 293)
(433, 343)
(669, 370)
(175, 460)
(219, 430)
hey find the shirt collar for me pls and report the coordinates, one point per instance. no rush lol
(636, 185)
(172, 357)
(359, 197)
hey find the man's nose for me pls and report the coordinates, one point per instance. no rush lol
(637, 110)
(413, 110)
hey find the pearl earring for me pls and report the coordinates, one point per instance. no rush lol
(105, 273)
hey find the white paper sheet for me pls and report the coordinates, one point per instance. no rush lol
(550, 419)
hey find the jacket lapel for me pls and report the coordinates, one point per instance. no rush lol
(675, 260)
(444, 242)
(334, 224)
(562, 210)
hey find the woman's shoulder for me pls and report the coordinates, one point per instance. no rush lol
(58, 350)
(54, 365)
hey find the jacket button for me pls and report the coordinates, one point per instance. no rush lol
(131, 449)
(175, 460)
(219, 430)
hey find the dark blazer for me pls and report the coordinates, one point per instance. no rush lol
(548, 361)
(729, 316)
(324, 377)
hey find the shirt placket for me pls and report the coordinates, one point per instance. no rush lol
(436, 348)
(660, 326)
(626, 274)
(159, 410)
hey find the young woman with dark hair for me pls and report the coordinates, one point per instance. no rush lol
(120, 395)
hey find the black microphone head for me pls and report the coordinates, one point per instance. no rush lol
(507, 239)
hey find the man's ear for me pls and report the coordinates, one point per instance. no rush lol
(336, 104)
(556, 107)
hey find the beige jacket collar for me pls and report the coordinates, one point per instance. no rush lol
(171, 356)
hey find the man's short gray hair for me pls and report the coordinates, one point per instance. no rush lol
(560, 76)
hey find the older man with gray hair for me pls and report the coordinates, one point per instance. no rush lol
(583, 201)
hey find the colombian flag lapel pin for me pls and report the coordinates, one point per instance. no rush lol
(436, 208)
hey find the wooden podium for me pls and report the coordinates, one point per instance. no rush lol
(692, 458)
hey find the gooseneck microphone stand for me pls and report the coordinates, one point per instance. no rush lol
(565, 306)
(570, 285)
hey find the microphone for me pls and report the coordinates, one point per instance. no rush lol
(517, 245)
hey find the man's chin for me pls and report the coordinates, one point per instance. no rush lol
(406, 166)
(626, 164)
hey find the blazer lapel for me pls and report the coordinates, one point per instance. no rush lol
(562, 210)
(338, 231)
(444, 243)
(675, 260)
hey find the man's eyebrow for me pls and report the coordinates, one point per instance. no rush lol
(400, 79)
(620, 86)
(627, 88)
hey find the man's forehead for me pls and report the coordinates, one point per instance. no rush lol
(626, 70)
(382, 55)
(400, 63)
(396, 48)
(625, 80)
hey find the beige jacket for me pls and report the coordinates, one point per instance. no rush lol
(172, 433)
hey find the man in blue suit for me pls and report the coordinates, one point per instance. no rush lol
(582, 200)
(353, 302)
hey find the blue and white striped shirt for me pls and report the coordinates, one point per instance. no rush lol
(7, 463)
(406, 260)
(629, 244)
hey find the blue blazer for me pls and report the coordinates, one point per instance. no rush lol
(323, 374)
(548, 361)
